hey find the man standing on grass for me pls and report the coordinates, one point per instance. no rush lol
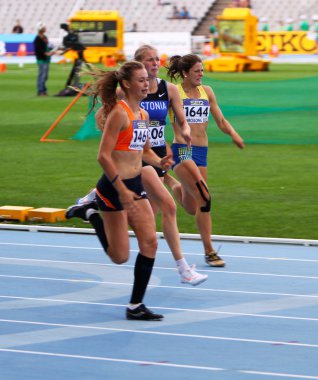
(43, 55)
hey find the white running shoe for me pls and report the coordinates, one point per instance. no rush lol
(90, 197)
(192, 277)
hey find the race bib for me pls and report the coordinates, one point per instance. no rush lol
(140, 135)
(156, 134)
(196, 110)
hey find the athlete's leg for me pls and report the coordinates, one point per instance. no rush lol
(142, 222)
(116, 226)
(161, 198)
(193, 183)
(183, 197)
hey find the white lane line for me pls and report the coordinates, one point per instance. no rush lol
(267, 258)
(175, 309)
(271, 258)
(51, 246)
(160, 333)
(19, 259)
(223, 271)
(158, 364)
(208, 271)
(200, 289)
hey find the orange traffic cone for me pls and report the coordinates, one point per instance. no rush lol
(274, 51)
(3, 67)
(207, 49)
(109, 61)
(163, 60)
(22, 50)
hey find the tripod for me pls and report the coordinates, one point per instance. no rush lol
(74, 77)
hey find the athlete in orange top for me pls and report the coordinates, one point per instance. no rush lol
(120, 193)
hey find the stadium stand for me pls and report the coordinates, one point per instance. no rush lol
(152, 17)
(147, 14)
(30, 12)
(279, 11)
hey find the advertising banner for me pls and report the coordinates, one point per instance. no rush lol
(286, 42)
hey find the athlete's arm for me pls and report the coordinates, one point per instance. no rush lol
(220, 120)
(153, 159)
(176, 104)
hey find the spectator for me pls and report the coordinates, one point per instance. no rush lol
(304, 24)
(43, 55)
(264, 27)
(315, 30)
(286, 26)
(184, 13)
(18, 29)
(289, 27)
(134, 27)
(245, 4)
(235, 4)
(214, 34)
(175, 12)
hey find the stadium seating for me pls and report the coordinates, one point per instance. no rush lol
(280, 11)
(149, 16)
(30, 12)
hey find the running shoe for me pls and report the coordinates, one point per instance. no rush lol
(79, 211)
(141, 313)
(90, 197)
(192, 277)
(214, 260)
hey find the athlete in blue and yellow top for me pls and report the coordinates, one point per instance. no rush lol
(191, 163)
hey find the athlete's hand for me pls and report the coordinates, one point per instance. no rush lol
(127, 199)
(166, 162)
(238, 141)
(186, 134)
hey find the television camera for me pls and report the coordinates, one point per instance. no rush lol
(71, 42)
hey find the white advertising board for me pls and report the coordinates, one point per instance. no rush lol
(166, 43)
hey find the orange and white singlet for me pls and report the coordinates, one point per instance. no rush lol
(136, 135)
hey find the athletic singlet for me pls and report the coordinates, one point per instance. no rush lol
(136, 135)
(157, 106)
(196, 110)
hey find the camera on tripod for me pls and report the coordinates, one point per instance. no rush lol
(71, 42)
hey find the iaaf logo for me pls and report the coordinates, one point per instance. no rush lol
(140, 124)
(197, 103)
(154, 123)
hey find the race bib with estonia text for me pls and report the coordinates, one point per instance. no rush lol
(196, 110)
(140, 134)
(156, 133)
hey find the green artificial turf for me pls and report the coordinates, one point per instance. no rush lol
(264, 190)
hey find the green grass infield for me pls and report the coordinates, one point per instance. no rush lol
(269, 189)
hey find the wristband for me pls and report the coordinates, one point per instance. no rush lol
(114, 179)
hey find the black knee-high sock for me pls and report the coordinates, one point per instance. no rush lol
(97, 223)
(142, 272)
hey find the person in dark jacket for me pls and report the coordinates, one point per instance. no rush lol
(43, 54)
(17, 29)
